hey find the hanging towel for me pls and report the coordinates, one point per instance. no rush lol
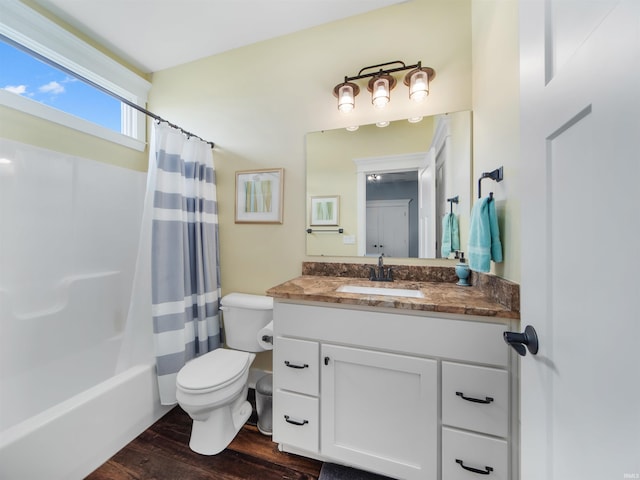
(450, 235)
(484, 236)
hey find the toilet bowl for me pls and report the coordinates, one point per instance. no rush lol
(213, 388)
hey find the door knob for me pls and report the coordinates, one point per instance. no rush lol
(518, 341)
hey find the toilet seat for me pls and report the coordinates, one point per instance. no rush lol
(213, 371)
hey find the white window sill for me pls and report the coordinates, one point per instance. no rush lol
(46, 112)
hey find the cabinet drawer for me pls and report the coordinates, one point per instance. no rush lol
(296, 420)
(468, 455)
(295, 365)
(475, 398)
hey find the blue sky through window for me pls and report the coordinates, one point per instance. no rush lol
(22, 74)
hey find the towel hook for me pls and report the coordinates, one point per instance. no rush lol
(493, 175)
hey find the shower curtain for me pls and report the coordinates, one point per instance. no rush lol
(185, 278)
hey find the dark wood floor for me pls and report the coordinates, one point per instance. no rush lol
(162, 453)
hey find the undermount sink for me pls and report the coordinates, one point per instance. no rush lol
(393, 292)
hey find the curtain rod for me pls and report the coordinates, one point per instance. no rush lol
(101, 88)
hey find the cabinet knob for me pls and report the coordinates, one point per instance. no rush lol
(518, 341)
(326, 360)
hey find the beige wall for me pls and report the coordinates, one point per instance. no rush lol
(496, 110)
(258, 102)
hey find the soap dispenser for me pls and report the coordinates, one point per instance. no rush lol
(462, 270)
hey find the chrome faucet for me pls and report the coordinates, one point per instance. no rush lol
(378, 275)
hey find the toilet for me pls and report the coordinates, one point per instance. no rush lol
(213, 388)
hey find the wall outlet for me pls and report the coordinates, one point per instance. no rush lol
(349, 239)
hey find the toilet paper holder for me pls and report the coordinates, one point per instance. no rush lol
(267, 339)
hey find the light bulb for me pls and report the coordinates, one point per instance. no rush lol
(346, 100)
(418, 82)
(346, 94)
(380, 93)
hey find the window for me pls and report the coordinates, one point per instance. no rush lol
(36, 80)
(43, 60)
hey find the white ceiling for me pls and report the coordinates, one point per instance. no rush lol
(154, 35)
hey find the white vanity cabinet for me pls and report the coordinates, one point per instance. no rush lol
(406, 395)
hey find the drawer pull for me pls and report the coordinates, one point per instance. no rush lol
(486, 471)
(474, 400)
(295, 365)
(293, 421)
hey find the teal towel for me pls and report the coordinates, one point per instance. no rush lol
(450, 235)
(484, 236)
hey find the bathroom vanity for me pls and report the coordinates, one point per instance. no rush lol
(412, 388)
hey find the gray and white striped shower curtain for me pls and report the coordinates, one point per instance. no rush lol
(185, 278)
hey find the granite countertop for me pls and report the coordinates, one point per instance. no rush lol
(488, 297)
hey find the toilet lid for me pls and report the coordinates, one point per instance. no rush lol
(213, 370)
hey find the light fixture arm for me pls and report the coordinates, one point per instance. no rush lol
(382, 71)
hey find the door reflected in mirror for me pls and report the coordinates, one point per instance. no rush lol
(393, 184)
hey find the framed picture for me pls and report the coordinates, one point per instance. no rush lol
(259, 195)
(325, 210)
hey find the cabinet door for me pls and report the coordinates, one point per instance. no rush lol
(379, 411)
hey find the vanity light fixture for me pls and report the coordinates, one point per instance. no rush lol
(382, 124)
(382, 82)
(414, 119)
(353, 128)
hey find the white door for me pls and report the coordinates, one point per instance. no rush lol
(580, 140)
(388, 228)
(373, 231)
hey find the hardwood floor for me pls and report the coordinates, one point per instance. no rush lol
(162, 453)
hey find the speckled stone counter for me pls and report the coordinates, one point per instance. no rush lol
(489, 296)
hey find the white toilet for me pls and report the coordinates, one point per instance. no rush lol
(213, 388)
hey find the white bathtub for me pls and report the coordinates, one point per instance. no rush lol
(77, 379)
(71, 439)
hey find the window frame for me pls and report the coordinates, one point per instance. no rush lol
(25, 28)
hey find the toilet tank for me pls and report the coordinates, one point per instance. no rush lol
(244, 315)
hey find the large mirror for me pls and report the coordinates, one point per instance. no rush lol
(403, 190)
